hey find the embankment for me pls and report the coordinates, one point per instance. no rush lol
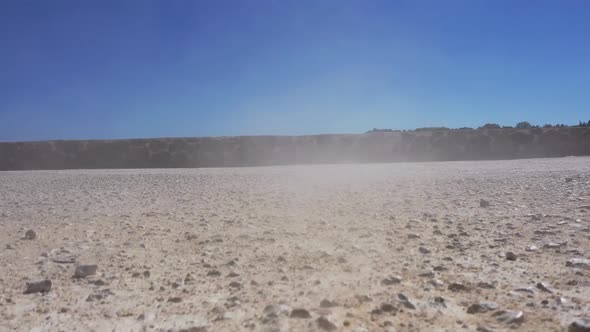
(283, 150)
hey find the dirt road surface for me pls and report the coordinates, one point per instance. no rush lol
(450, 246)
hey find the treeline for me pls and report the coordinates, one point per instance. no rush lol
(520, 125)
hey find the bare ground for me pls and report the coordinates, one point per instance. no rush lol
(381, 247)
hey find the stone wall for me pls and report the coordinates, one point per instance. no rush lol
(282, 150)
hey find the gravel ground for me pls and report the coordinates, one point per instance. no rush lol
(454, 246)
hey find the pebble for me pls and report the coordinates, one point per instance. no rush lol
(510, 256)
(391, 281)
(325, 303)
(455, 287)
(437, 283)
(581, 263)
(544, 287)
(43, 286)
(326, 324)
(405, 301)
(481, 307)
(485, 285)
(175, 299)
(30, 235)
(213, 273)
(83, 271)
(300, 313)
(509, 316)
(580, 325)
(426, 274)
(235, 284)
(424, 250)
(532, 248)
(483, 203)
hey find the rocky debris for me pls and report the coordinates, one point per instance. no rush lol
(300, 313)
(437, 283)
(579, 325)
(42, 286)
(272, 312)
(326, 324)
(426, 274)
(581, 263)
(391, 281)
(325, 303)
(483, 328)
(510, 256)
(235, 284)
(532, 247)
(509, 316)
(457, 287)
(30, 235)
(484, 203)
(386, 307)
(481, 307)
(485, 285)
(424, 250)
(175, 299)
(62, 256)
(544, 287)
(569, 179)
(213, 273)
(403, 300)
(83, 271)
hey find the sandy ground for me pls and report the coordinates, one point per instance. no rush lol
(381, 247)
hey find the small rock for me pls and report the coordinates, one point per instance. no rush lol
(568, 179)
(581, 263)
(235, 284)
(580, 325)
(456, 287)
(543, 287)
(30, 235)
(405, 301)
(326, 324)
(510, 256)
(83, 271)
(483, 328)
(387, 307)
(424, 250)
(485, 285)
(426, 274)
(437, 283)
(325, 303)
(43, 286)
(481, 307)
(175, 299)
(532, 248)
(509, 316)
(300, 313)
(483, 203)
(391, 281)
(213, 273)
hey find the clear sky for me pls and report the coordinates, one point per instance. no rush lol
(124, 68)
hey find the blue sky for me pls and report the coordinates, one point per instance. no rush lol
(118, 69)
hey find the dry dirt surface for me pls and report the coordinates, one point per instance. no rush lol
(451, 246)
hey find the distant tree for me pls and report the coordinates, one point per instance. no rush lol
(548, 126)
(490, 126)
(431, 129)
(507, 127)
(523, 125)
(465, 128)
